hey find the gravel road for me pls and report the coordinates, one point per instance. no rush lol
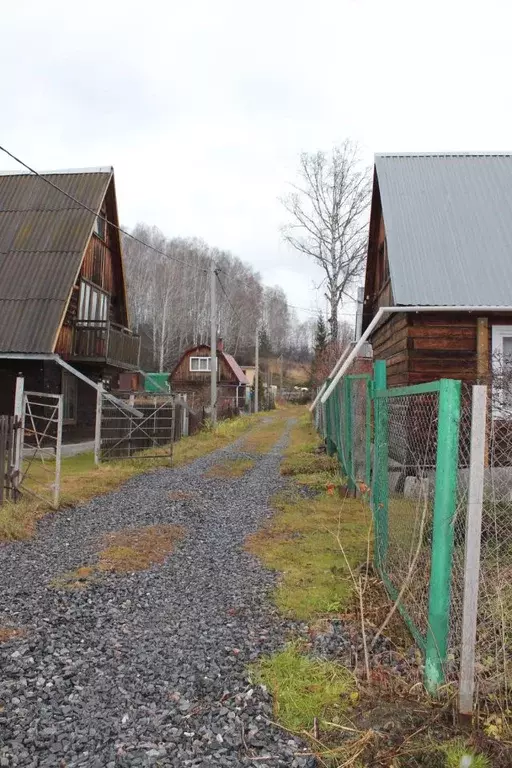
(150, 668)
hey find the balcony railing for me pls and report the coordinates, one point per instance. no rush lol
(106, 342)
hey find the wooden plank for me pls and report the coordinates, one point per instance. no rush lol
(450, 341)
(449, 320)
(440, 331)
(3, 455)
(390, 337)
(482, 349)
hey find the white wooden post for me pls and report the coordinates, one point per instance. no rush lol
(472, 555)
(97, 429)
(58, 456)
(19, 423)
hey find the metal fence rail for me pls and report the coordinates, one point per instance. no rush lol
(123, 435)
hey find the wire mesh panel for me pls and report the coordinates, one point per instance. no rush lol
(125, 434)
(409, 444)
(494, 618)
(360, 427)
(41, 446)
(459, 528)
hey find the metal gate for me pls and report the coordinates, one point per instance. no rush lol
(142, 427)
(38, 454)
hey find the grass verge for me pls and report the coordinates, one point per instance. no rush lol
(306, 689)
(300, 542)
(231, 468)
(10, 633)
(125, 551)
(262, 439)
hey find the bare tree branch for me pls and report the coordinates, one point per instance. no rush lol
(328, 218)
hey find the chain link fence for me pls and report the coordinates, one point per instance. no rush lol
(413, 448)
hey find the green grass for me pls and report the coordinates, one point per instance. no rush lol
(304, 689)
(457, 755)
(300, 541)
(231, 468)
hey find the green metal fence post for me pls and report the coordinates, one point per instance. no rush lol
(380, 491)
(368, 433)
(337, 427)
(329, 423)
(445, 503)
(348, 437)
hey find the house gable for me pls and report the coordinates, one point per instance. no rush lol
(378, 289)
(101, 268)
(183, 373)
(43, 236)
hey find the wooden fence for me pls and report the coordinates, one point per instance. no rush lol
(8, 430)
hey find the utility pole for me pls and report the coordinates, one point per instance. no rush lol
(213, 343)
(257, 367)
(281, 375)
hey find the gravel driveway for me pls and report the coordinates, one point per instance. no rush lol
(145, 669)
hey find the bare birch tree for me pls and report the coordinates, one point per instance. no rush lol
(328, 220)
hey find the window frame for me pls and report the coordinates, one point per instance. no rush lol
(100, 225)
(100, 303)
(199, 369)
(499, 408)
(69, 382)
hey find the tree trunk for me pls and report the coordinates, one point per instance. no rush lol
(333, 320)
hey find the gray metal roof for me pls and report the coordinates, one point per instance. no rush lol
(43, 235)
(448, 221)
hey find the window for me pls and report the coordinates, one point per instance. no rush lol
(69, 398)
(502, 370)
(92, 303)
(100, 225)
(200, 364)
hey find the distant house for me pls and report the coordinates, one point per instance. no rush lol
(191, 376)
(440, 237)
(62, 291)
(250, 373)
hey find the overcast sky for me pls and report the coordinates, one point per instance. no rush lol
(202, 106)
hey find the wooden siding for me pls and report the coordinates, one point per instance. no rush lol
(389, 343)
(183, 374)
(426, 347)
(97, 265)
(442, 346)
(102, 266)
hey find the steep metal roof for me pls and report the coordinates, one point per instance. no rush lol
(448, 222)
(43, 235)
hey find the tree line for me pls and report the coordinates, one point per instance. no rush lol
(169, 299)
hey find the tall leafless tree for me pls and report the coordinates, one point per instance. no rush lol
(169, 299)
(328, 219)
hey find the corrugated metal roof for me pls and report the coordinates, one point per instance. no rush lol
(448, 227)
(43, 235)
(242, 378)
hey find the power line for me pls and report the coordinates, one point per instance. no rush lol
(103, 218)
(227, 296)
(290, 306)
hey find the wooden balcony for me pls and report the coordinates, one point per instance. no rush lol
(105, 342)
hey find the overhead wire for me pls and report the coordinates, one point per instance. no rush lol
(99, 216)
(138, 239)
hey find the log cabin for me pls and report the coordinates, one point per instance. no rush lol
(62, 290)
(191, 376)
(440, 236)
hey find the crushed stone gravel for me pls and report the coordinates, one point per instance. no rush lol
(149, 668)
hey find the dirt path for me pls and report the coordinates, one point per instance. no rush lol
(146, 668)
